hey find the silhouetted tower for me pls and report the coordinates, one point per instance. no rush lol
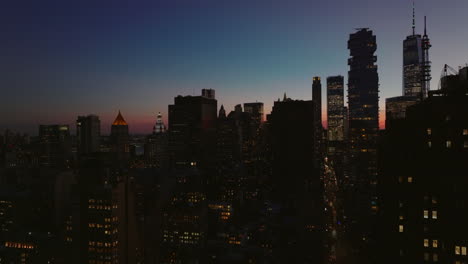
(88, 133)
(318, 128)
(120, 139)
(363, 98)
(412, 65)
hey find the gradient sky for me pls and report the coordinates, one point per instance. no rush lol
(61, 59)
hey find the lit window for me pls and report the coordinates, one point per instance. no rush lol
(434, 200)
(429, 144)
(426, 214)
(457, 250)
(465, 132)
(426, 242)
(435, 243)
(429, 131)
(400, 228)
(463, 251)
(448, 144)
(434, 214)
(410, 179)
(465, 145)
(401, 217)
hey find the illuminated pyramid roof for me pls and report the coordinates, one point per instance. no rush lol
(119, 121)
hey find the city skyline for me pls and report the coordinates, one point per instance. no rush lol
(97, 59)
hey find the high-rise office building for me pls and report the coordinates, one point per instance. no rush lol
(296, 185)
(88, 133)
(156, 146)
(363, 98)
(412, 65)
(416, 76)
(55, 145)
(335, 108)
(318, 127)
(337, 118)
(192, 123)
(423, 164)
(256, 112)
(120, 138)
(208, 93)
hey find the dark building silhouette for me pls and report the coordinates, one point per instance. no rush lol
(54, 146)
(119, 139)
(363, 88)
(88, 134)
(156, 150)
(192, 122)
(208, 93)
(318, 127)
(255, 110)
(296, 185)
(423, 166)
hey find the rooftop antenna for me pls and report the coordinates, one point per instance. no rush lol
(425, 32)
(414, 23)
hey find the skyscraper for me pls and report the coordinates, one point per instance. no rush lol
(363, 93)
(256, 112)
(416, 75)
(336, 116)
(412, 65)
(296, 184)
(54, 145)
(156, 149)
(423, 164)
(335, 108)
(88, 133)
(120, 139)
(363, 89)
(318, 128)
(192, 123)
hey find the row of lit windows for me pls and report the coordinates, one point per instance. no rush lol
(459, 250)
(110, 232)
(102, 207)
(102, 244)
(426, 214)
(18, 245)
(111, 219)
(94, 225)
(409, 179)
(435, 243)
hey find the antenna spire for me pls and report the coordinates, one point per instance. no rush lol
(425, 32)
(413, 20)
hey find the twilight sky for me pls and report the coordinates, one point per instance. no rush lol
(61, 59)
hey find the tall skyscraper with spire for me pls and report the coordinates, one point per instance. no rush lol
(416, 74)
(412, 64)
